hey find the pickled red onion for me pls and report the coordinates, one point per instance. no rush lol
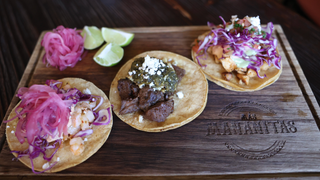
(43, 112)
(63, 47)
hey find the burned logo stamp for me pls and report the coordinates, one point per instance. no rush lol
(250, 120)
(258, 154)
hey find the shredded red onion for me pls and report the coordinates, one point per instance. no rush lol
(239, 39)
(63, 47)
(83, 133)
(100, 102)
(103, 117)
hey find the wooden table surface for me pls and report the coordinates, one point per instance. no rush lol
(21, 23)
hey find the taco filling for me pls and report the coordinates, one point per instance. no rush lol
(149, 87)
(241, 46)
(50, 115)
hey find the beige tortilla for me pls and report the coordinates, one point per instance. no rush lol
(67, 159)
(214, 72)
(193, 85)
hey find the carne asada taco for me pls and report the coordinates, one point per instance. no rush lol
(239, 55)
(58, 125)
(158, 91)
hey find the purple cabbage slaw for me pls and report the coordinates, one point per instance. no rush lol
(39, 144)
(238, 40)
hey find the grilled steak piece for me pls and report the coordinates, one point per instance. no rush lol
(129, 106)
(148, 97)
(127, 89)
(166, 96)
(179, 71)
(160, 111)
(134, 90)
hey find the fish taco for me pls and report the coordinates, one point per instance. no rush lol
(58, 125)
(158, 91)
(239, 55)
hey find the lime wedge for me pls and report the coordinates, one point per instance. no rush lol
(117, 37)
(109, 55)
(93, 37)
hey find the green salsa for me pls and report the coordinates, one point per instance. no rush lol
(163, 78)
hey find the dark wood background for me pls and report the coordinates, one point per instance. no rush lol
(22, 21)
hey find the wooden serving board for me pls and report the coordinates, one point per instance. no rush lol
(273, 130)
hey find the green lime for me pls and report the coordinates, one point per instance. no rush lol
(93, 37)
(117, 37)
(109, 55)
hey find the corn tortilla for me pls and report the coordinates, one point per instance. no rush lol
(66, 158)
(193, 85)
(214, 72)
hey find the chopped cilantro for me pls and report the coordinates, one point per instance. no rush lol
(238, 26)
(228, 48)
(252, 30)
(264, 34)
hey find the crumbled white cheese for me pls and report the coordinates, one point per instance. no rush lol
(151, 65)
(145, 76)
(140, 119)
(8, 126)
(255, 22)
(234, 18)
(58, 158)
(180, 94)
(130, 73)
(86, 91)
(159, 72)
(46, 165)
(229, 27)
(263, 42)
(12, 132)
(151, 84)
(133, 72)
(238, 35)
(85, 139)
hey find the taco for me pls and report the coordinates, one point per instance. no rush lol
(171, 93)
(58, 125)
(239, 55)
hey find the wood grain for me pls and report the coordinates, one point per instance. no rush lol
(226, 139)
(21, 24)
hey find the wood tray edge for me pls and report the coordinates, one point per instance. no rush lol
(23, 82)
(299, 75)
(294, 65)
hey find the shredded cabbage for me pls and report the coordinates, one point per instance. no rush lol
(240, 40)
(63, 47)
